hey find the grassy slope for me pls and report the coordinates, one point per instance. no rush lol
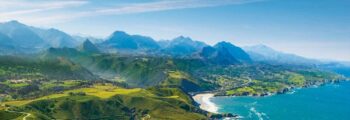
(25, 77)
(158, 103)
(4, 115)
(137, 71)
(12, 67)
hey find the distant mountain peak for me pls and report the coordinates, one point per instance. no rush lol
(181, 46)
(121, 40)
(13, 22)
(235, 51)
(182, 37)
(54, 30)
(218, 56)
(56, 38)
(267, 54)
(22, 36)
(89, 47)
(10, 25)
(224, 43)
(119, 33)
(262, 46)
(87, 42)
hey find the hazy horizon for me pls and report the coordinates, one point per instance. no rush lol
(312, 29)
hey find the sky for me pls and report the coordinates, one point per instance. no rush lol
(310, 28)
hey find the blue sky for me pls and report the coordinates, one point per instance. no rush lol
(311, 28)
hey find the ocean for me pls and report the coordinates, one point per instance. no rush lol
(328, 102)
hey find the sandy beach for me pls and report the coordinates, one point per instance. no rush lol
(205, 103)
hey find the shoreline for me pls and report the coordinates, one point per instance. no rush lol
(265, 112)
(203, 99)
(283, 91)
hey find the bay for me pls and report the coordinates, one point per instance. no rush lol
(328, 102)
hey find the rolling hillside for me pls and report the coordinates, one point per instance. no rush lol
(110, 102)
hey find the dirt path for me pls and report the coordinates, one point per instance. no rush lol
(24, 118)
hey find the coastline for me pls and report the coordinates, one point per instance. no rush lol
(286, 90)
(205, 104)
(251, 107)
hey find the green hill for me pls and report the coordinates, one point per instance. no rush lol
(109, 102)
(26, 77)
(136, 71)
(12, 67)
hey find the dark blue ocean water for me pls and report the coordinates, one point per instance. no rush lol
(328, 102)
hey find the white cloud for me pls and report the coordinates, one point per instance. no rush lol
(43, 3)
(38, 12)
(168, 5)
(10, 10)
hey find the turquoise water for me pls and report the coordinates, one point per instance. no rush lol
(328, 102)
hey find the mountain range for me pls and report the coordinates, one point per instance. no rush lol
(263, 53)
(181, 46)
(27, 39)
(19, 38)
(122, 41)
